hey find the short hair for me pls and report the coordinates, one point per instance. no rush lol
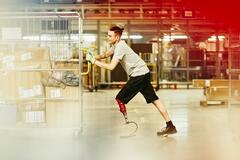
(117, 29)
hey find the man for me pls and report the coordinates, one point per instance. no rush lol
(138, 72)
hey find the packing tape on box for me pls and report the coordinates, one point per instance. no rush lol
(215, 89)
(8, 61)
(8, 58)
(26, 56)
(37, 90)
(236, 93)
(207, 83)
(26, 93)
(34, 116)
(28, 107)
(55, 93)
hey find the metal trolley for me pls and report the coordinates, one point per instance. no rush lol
(234, 81)
(40, 69)
(234, 69)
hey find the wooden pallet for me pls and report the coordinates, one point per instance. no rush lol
(173, 85)
(206, 103)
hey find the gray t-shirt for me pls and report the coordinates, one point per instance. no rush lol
(130, 61)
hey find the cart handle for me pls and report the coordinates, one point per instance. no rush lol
(88, 69)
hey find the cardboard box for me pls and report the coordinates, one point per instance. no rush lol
(235, 84)
(198, 83)
(21, 85)
(30, 58)
(8, 85)
(219, 82)
(218, 93)
(33, 58)
(218, 89)
(31, 112)
(67, 93)
(65, 114)
(235, 89)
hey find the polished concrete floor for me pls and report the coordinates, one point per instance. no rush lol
(211, 133)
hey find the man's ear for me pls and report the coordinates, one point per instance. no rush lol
(118, 37)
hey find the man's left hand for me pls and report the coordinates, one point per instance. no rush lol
(90, 58)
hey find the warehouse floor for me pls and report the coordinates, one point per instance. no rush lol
(203, 132)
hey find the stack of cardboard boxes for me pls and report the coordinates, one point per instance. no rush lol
(22, 74)
(218, 91)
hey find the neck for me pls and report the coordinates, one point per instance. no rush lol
(116, 42)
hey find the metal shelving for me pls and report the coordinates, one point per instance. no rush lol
(35, 47)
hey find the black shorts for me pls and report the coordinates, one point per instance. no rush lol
(137, 84)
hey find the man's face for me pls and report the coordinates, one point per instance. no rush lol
(112, 38)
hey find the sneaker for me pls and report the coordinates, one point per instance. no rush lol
(167, 130)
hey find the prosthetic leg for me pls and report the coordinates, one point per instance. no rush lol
(123, 110)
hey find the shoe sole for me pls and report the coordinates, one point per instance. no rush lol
(166, 134)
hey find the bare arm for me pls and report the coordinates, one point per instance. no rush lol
(104, 55)
(109, 66)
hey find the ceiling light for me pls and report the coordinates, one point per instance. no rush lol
(124, 36)
(175, 37)
(89, 37)
(214, 38)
